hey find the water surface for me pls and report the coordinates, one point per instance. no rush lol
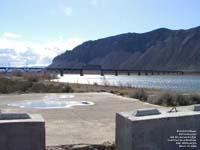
(185, 83)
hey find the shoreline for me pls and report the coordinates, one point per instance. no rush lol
(42, 83)
(119, 90)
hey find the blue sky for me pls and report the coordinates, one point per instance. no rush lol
(46, 28)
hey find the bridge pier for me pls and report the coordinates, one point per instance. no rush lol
(81, 72)
(116, 73)
(102, 73)
(146, 73)
(139, 73)
(128, 73)
(61, 73)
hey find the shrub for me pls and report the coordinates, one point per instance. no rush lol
(195, 98)
(12, 85)
(139, 94)
(113, 91)
(38, 88)
(31, 77)
(69, 89)
(95, 83)
(182, 100)
(50, 88)
(166, 99)
(174, 99)
(16, 73)
(37, 76)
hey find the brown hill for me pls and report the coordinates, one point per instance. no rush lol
(161, 49)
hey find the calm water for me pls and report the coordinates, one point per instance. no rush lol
(186, 83)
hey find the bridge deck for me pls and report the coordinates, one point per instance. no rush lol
(102, 71)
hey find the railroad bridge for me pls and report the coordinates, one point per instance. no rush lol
(91, 70)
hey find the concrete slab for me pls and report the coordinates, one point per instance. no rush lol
(81, 124)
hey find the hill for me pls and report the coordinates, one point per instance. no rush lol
(160, 49)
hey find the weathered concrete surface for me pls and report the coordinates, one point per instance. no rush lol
(165, 131)
(81, 124)
(146, 112)
(22, 133)
(14, 116)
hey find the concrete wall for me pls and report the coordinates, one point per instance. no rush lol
(166, 131)
(22, 134)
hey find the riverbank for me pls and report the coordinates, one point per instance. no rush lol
(119, 90)
(41, 83)
(161, 97)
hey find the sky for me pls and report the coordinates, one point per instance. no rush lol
(33, 32)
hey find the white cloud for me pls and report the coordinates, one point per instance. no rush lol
(11, 35)
(73, 42)
(68, 11)
(20, 53)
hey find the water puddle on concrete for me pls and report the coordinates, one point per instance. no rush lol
(50, 104)
(56, 96)
(52, 101)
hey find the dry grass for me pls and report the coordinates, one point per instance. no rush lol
(15, 85)
(176, 99)
(125, 91)
(140, 94)
(153, 96)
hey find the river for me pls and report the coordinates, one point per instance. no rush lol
(184, 83)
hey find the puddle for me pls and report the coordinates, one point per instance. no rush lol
(50, 104)
(55, 96)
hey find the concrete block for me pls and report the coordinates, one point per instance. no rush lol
(165, 131)
(22, 132)
(196, 107)
(147, 112)
(11, 116)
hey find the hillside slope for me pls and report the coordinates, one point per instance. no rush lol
(161, 49)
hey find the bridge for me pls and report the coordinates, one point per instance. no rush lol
(86, 70)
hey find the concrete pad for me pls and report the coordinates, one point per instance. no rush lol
(79, 124)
